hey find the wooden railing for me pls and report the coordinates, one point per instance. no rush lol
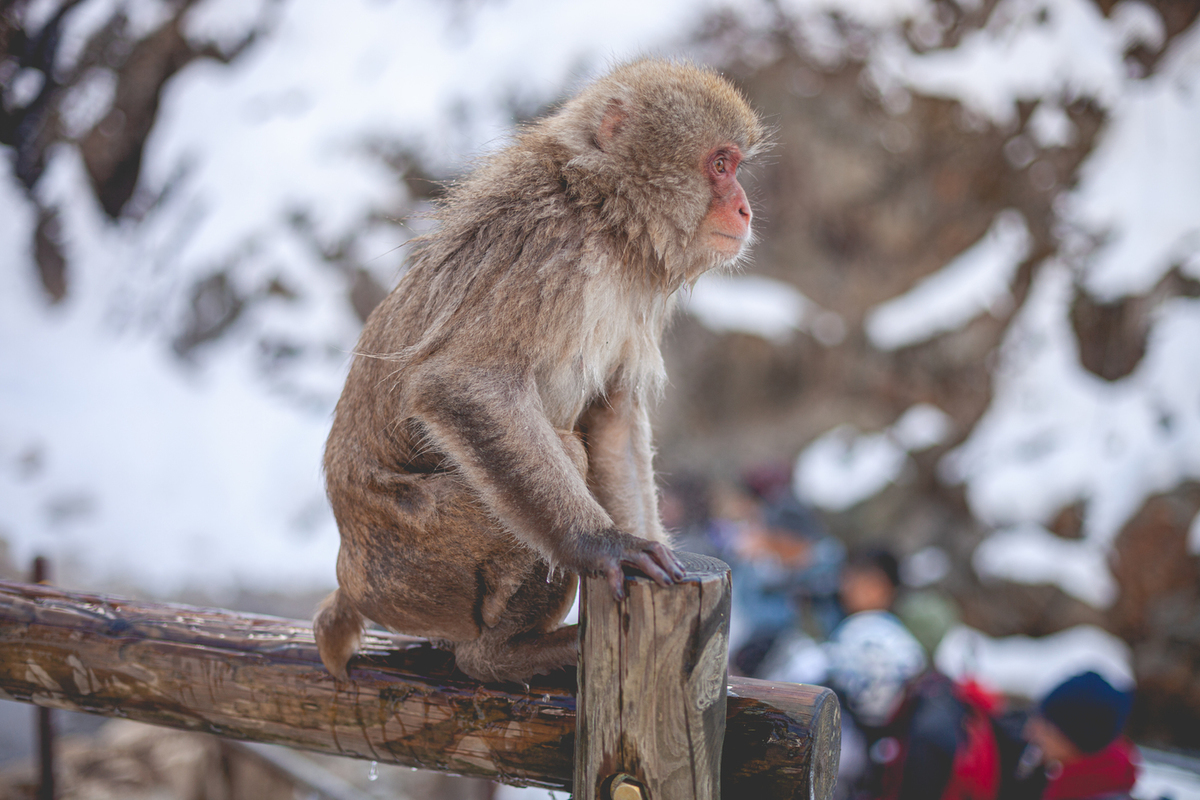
(653, 695)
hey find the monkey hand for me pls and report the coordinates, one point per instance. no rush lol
(604, 555)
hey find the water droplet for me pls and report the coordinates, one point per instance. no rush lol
(545, 698)
(373, 772)
(412, 769)
(526, 685)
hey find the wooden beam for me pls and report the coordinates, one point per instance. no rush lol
(650, 716)
(259, 678)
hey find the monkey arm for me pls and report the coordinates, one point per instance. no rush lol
(620, 474)
(643, 457)
(491, 426)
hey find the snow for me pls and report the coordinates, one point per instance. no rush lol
(16, 225)
(1033, 555)
(760, 306)
(1056, 434)
(871, 13)
(1140, 189)
(976, 281)
(26, 85)
(1029, 50)
(1030, 667)
(121, 464)
(1050, 126)
(922, 426)
(142, 16)
(1138, 22)
(38, 12)
(1157, 781)
(844, 467)
(89, 101)
(925, 567)
(224, 22)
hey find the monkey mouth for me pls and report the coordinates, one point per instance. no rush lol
(728, 243)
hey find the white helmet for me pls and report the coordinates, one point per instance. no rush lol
(872, 656)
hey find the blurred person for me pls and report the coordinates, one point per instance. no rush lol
(910, 732)
(928, 614)
(870, 580)
(1073, 747)
(685, 504)
(782, 566)
(771, 482)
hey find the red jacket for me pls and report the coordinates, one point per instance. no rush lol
(1113, 770)
(974, 773)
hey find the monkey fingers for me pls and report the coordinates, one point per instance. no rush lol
(657, 562)
(652, 558)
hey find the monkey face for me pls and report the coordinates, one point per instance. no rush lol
(726, 226)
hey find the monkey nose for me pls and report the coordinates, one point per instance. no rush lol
(742, 203)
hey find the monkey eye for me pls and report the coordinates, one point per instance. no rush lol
(722, 164)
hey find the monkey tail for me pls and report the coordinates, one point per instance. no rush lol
(337, 627)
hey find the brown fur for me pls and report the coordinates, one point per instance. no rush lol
(492, 440)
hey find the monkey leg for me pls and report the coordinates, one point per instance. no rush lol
(493, 658)
(452, 577)
(337, 628)
(526, 639)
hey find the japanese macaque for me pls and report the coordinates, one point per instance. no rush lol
(492, 441)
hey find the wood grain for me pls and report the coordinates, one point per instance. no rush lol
(651, 700)
(258, 678)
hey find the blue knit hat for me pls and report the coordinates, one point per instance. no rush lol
(1088, 710)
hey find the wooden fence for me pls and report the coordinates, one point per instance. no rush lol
(653, 695)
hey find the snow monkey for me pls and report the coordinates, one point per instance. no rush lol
(492, 441)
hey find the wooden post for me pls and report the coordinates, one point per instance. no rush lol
(650, 721)
(259, 678)
(45, 717)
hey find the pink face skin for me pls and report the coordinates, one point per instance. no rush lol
(729, 215)
(1053, 743)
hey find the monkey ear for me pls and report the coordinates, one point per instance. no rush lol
(611, 123)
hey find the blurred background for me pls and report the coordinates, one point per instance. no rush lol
(969, 333)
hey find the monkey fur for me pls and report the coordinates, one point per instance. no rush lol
(492, 441)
